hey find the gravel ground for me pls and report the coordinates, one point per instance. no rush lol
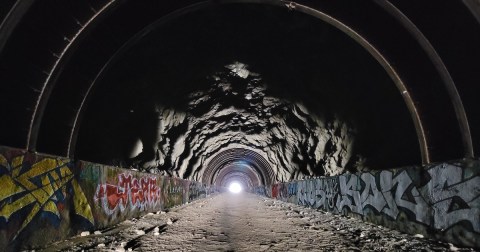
(247, 222)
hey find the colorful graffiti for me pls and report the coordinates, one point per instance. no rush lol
(126, 194)
(33, 186)
(438, 196)
(61, 197)
(173, 191)
(129, 192)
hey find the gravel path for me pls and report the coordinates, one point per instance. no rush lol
(247, 222)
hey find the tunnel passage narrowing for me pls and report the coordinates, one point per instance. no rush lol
(238, 163)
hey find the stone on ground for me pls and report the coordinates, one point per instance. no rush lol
(247, 222)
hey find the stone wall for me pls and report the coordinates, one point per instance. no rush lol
(45, 198)
(440, 201)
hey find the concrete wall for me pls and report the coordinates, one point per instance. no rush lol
(440, 201)
(45, 198)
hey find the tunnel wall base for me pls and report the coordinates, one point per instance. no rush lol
(439, 201)
(47, 198)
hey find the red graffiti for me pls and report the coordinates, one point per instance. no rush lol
(275, 190)
(141, 193)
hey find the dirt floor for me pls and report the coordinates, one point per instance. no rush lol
(247, 222)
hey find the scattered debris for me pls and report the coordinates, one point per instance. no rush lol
(140, 232)
(216, 225)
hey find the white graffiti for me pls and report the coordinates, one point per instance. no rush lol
(318, 193)
(441, 196)
(386, 199)
(447, 186)
(371, 196)
(403, 182)
(307, 193)
(349, 194)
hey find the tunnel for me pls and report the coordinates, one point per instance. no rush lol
(280, 97)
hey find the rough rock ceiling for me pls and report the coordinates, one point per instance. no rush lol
(237, 111)
(84, 79)
(289, 95)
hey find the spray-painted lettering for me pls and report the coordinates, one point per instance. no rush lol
(446, 196)
(130, 192)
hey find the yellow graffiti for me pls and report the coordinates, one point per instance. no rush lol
(39, 186)
(80, 202)
(10, 187)
(3, 161)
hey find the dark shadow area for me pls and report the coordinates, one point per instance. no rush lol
(300, 58)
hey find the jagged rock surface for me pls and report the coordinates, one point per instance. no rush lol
(238, 111)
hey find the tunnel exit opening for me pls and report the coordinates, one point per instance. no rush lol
(239, 165)
(235, 187)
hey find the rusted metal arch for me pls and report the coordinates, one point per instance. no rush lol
(421, 134)
(474, 7)
(37, 118)
(56, 71)
(441, 69)
(256, 162)
(13, 17)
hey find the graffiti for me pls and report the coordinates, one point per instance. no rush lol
(175, 189)
(42, 187)
(173, 192)
(211, 190)
(454, 198)
(129, 192)
(292, 189)
(406, 196)
(443, 198)
(260, 190)
(317, 193)
(308, 193)
(286, 191)
(350, 193)
(330, 187)
(394, 191)
(196, 191)
(60, 197)
(275, 191)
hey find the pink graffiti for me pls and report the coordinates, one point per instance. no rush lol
(140, 193)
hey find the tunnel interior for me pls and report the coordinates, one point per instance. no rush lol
(313, 93)
(298, 92)
(106, 101)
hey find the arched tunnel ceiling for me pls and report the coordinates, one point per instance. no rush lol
(251, 164)
(271, 84)
(324, 93)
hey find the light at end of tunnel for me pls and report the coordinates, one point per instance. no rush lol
(235, 187)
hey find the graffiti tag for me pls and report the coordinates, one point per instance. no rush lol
(129, 192)
(42, 186)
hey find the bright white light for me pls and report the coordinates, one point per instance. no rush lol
(235, 187)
